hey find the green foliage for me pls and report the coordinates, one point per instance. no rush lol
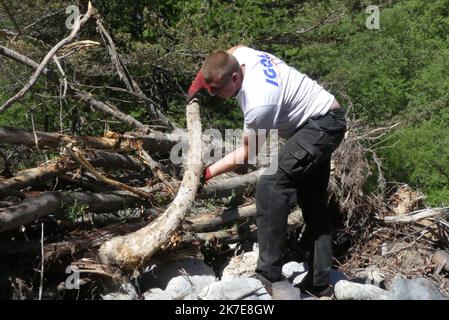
(75, 210)
(420, 156)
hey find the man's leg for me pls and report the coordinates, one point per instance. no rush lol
(307, 153)
(312, 198)
(273, 194)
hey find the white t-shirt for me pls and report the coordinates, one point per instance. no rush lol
(276, 96)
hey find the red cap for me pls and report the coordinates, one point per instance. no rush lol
(197, 85)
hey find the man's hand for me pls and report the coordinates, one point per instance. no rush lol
(205, 176)
(197, 85)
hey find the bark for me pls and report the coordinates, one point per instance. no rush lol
(208, 221)
(133, 250)
(224, 187)
(53, 203)
(28, 177)
(56, 167)
(53, 140)
(155, 141)
(237, 234)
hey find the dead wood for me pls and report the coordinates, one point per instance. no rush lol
(154, 141)
(417, 216)
(54, 203)
(78, 23)
(237, 234)
(59, 166)
(206, 221)
(133, 250)
(77, 155)
(126, 77)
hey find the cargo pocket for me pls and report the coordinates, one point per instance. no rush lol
(298, 160)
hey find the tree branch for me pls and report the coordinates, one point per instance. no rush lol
(78, 23)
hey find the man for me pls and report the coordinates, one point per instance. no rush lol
(273, 95)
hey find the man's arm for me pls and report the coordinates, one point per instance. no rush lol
(236, 158)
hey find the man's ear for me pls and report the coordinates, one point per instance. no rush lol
(235, 76)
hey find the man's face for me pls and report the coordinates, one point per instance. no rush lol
(225, 88)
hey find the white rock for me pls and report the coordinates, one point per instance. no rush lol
(235, 289)
(283, 290)
(157, 294)
(126, 292)
(243, 265)
(414, 289)
(346, 290)
(161, 274)
(293, 269)
(334, 275)
(188, 287)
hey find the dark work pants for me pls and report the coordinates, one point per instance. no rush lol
(304, 169)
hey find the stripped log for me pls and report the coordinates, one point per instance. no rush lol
(133, 250)
(417, 216)
(54, 203)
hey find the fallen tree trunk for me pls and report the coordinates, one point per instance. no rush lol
(56, 167)
(48, 203)
(54, 251)
(236, 234)
(88, 239)
(133, 250)
(153, 142)
(208, 221)
(54, 140)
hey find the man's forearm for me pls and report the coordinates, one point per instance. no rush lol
(230, 162)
